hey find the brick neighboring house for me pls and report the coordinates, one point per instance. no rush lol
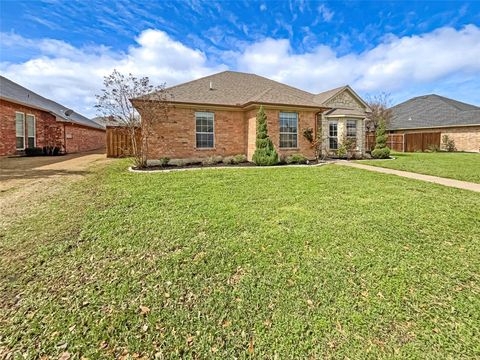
(434, 113)
(216, 115)
(30, 120)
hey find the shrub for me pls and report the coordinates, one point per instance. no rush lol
(342, 151)
(381, 153)
(433, 148)
(228, 160)
(381, 150)
(240, 158)
(296, 159)
(265, 153)
(163, 161)
(51, 150)
(448, 144)
(185, 162)
(212, 160)
(36, 151)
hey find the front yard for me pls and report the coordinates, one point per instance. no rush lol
(460, 166)
(325, 262)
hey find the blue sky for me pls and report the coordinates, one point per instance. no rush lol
(63, 48)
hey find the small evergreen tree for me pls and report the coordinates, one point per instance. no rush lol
(265, 153)
(381, 150)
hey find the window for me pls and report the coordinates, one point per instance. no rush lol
(333, 135)
(31, 131)
(20, 130)
(288, 130)
(351, 128)
(204, 130)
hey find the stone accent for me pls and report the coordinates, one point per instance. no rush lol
(342, 133)
(345, 100)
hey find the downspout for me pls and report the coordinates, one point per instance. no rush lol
(64, 138)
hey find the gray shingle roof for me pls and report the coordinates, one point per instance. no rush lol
(433, 111)
(14, 92)
(233, 88)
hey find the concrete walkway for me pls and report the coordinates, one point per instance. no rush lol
(433, 179)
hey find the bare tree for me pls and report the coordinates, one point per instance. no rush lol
(380, 106)
(135, 104)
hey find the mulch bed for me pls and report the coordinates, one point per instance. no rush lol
(220, 165)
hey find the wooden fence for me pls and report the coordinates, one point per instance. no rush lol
(421, 141)
(119, 142)
(409, 142)
(394, 142)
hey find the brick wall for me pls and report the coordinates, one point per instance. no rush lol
(82, 138)
(48, 131)
(235, 132)
(175, 137)
(45, 125)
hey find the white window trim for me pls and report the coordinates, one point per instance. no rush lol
(202, 132)
(346, 128)
(332, 137)
(280, 133)
(24, 124)
(34, 129)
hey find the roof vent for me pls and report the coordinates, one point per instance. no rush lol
(211, 85)
(68, 112)
(410, 118)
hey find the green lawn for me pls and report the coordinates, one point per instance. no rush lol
(325, 262)
(460, 166)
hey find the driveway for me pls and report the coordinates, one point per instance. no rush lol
(25, 181)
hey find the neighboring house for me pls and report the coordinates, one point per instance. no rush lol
(29, 120)
(216, 115)
(434, 113)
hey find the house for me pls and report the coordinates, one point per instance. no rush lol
(28, 120)
(216, 115)
(440, 115)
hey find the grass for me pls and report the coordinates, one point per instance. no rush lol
(328, 262)
(460, 166)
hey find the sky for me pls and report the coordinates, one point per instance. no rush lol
(63, 49)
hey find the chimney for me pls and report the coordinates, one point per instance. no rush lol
(211, 85)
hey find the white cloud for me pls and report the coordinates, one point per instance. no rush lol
(73, 76)
(394, 64)
(263, 7)
(444, 60)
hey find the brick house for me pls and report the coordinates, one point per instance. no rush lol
(216, 115)
(438, 114)
(29, 120)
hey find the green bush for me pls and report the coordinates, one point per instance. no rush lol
(265, 154)
(296, 159)
(381, 150)
(240, 158)
(212, 160)
(228, 160)
(381, 153)
(448, 144)
(163, 161)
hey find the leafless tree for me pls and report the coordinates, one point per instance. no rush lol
(380, 105)
(134, 104)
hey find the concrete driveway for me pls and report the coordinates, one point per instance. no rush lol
(27, 180)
